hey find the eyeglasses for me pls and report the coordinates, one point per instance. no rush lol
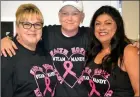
(27, 25)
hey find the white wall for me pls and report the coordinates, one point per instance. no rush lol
(130, 10)
(50, 9)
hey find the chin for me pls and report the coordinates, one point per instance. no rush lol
(33, 41)
(71, 29)
(104, 41)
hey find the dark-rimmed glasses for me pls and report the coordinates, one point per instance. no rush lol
(28, 25)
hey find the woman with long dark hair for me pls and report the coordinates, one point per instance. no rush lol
(113, 64)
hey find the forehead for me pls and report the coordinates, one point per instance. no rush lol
(104, 17)
(31, 17)
(69, 8)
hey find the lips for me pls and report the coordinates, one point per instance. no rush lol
(31, 34)
(103, 33)
(70, 23)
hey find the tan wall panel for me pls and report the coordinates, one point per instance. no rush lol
(130, 13)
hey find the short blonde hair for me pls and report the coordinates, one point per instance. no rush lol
(26, 10)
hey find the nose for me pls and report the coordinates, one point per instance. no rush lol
(70, 17)
(102, 27)
(32, 28)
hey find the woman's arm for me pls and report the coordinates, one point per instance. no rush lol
(131, 63)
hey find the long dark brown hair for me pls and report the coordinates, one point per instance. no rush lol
(118, 42)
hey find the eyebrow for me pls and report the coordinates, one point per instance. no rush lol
(105, 20)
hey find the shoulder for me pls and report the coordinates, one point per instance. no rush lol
(51, 26)
(7, 61)
(84, 29)
(130, 51)
(131, 56)
(47, 29)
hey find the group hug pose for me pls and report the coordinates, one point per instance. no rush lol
(68, 60)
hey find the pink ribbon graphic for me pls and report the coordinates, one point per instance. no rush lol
(68, 66)
(47, 83)
(92, 85)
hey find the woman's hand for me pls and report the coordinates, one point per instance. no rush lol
(8, 47)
